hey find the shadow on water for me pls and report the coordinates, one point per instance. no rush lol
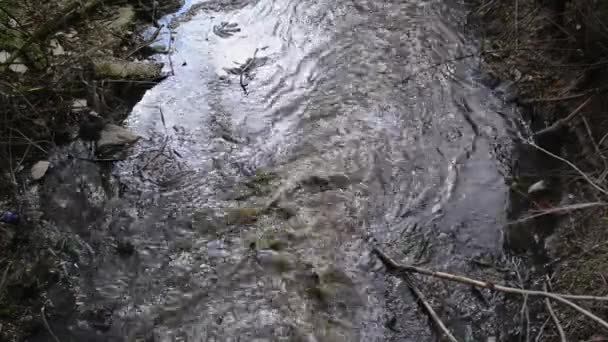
(294, 136)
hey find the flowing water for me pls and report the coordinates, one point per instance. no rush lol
(293, 137)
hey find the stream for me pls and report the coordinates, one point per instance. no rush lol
(293, 137)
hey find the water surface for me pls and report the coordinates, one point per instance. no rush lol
(293, 137)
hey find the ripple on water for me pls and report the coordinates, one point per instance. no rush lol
(373, 130)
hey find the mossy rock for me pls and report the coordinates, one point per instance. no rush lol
(120, 69)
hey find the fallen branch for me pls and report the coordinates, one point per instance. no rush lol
(587, 178)
(429, 310)
(558, 326)
(562, 122)
(394, 267)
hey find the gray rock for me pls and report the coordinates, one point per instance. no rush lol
(39, 169)
(115, 138)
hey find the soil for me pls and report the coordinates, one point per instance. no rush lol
(553, 58)
(56, 48)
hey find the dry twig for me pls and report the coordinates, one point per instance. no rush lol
(562, 122)
(559, 327)
(429, 310)
(393, 266)
(585, 176)
(47, 325)
(559, 210)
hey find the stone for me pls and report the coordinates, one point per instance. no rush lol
(116, 135)
(79, 105)
(56, 48)
(39, 169)
(537, 187)
(115, 138)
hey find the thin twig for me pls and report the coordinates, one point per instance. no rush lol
(562, 122)
(595, 145)
(541, 330)
(162, 117)
(559, 210)
(146, 42)
(3, 280)
(169, 56)
(33, 143)
(554, 99)
(585, 176)
(429, 309)
(392, 266)
(46, 324)
(560, 329)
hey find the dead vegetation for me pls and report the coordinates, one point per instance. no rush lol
(59, 60)
(555, 53)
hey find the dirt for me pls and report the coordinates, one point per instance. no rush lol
(553, 59)
(55, 44)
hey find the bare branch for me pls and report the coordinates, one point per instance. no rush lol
(587, 178)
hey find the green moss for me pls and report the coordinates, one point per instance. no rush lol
(336, 276)
(276, 245)
(242, 216)
(319, 293)
(282, 265)
(7, 310)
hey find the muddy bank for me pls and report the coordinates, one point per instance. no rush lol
(59, 62)
(554, 55)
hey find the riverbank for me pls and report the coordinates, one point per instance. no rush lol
(554, 57)
(59, 61)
